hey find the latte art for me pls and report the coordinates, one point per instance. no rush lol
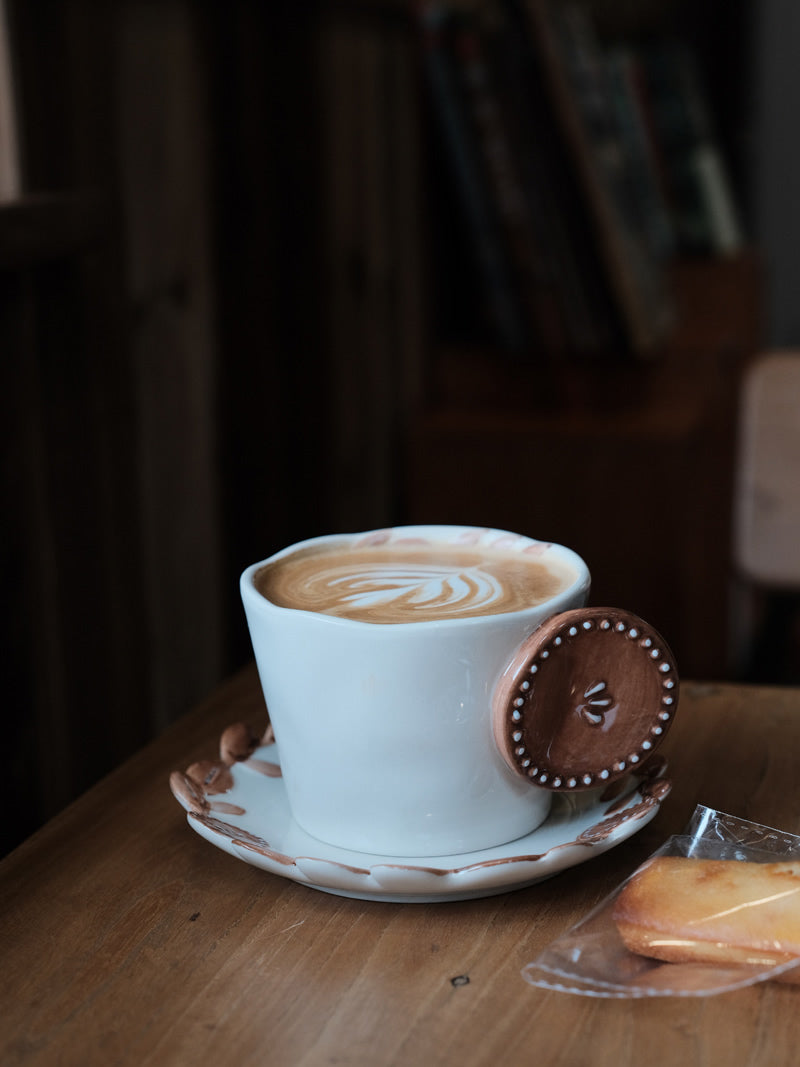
(417, 588)
(405, 583)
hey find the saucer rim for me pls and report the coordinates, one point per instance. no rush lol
(499, 869)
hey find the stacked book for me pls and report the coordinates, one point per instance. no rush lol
(579, 170)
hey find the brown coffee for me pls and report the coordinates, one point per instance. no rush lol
(410, 583)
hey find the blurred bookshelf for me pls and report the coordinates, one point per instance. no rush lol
(567, 173)
(590, 297)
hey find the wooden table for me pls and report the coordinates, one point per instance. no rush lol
(127, 939)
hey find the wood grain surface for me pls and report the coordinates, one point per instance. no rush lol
(127, 939)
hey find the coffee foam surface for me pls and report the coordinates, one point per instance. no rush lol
(410, 583)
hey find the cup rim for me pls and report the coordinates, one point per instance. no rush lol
(460, 536)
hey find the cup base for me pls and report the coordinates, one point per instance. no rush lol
(525, 816)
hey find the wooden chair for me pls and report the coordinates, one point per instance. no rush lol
(767, 519)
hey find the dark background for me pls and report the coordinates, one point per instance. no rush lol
(217, 320)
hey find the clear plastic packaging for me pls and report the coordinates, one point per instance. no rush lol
(703, 914)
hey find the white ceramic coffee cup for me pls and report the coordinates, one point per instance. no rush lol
(384, 732)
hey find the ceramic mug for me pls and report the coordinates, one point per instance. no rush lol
(408, 738)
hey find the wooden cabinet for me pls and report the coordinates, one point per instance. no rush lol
(634, 470)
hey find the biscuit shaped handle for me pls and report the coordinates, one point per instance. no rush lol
(585, 699)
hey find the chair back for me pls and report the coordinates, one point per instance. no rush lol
(767, 519)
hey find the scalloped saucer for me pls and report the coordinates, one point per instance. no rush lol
(242, 808)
